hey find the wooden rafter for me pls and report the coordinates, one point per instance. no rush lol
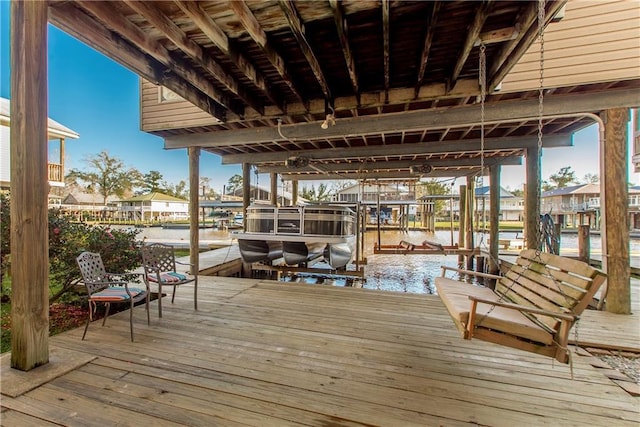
(208, 26)
(343, 34)
(473, 32)
(255, 31)
(472, 145)
(166, 26)
(397, 164)
(385, 47)
(154, 66)
(426, 48)
(297, 28)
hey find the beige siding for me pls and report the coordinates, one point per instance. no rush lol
(596, 41)
(156, 115)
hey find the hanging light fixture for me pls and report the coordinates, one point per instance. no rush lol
(330, 119)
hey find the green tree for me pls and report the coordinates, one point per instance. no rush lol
(433, 187)
(153, 182)
(322, 194)
(560, 179)
(179, 190)
(591, 178)
(234, 184)
(107, 176)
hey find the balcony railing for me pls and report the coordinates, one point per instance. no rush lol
(55, 172)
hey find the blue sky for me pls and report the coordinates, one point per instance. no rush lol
(99, 99)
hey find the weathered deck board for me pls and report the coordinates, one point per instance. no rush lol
(263, 353)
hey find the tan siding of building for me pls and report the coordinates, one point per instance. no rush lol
(596, 41)
(156, 115)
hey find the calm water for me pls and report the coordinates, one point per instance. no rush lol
(403, 273)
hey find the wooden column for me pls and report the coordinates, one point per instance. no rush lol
(462, 221)
(294, 192)
(532, 198)
(494, 219)
(614, 197)
(29, 186)
(246, 192)
(584, 242)
(273, 197)
(194, 229)
(471, 204)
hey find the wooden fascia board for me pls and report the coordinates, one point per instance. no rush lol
(398, 164)
(503, 111)
(416, 149)
(86, 29)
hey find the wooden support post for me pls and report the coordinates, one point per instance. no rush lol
(294, 192)
(273, 197)
(614, 196)
(462, 222)
(29, 186)
(378, 215)
(471, 190)
(494, 219)
(194, 230)
(584, 243)
(532, 199)
(246, 192)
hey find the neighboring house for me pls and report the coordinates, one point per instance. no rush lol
(368, 193)
(578, 204)
(57, 134)
(511, 206)
(153, 207)
(259, 193)
(84, 204)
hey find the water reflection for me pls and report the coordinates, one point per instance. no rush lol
(401, 273)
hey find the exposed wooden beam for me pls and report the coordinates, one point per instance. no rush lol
(426, 48)
(343, 34)
(418, 120)
(298, 30)
(418, 149)
(404, 175)
(498, 36)
(385, 46)
(208, 26)
(481, 14)
(166, 26)
(253, 27)
(394, 164)
(524, 43)
(185, 82)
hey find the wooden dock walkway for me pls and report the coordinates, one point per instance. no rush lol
(264, 353)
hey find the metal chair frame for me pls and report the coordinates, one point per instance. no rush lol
(97, 280)
(158, 260)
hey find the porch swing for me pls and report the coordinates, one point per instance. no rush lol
(539, 299)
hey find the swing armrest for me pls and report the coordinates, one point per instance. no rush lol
(469, 272)
(560, 316)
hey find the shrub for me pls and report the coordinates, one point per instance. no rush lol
(68, 238)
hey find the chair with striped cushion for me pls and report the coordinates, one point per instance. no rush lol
(108, 288)
(159, 262)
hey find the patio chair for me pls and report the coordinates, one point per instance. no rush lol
(108, 288)
(159, 262)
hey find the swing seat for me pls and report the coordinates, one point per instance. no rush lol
(533, 307)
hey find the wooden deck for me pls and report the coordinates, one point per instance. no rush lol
(264, 353)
